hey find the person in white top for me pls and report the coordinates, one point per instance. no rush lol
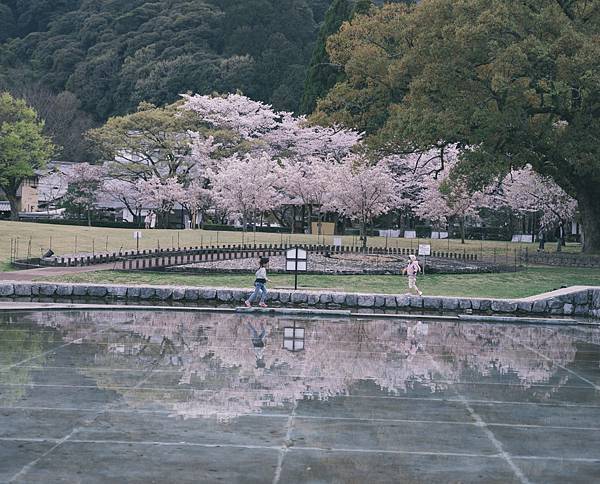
(411, 270)
(260, 288)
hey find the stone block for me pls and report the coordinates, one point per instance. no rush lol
(581, 310)
(568, 309)
(164, 293)
(539, 306)
(365, 301)
(192, 294)
(416, 302)
(581, 297)
(403, 301)
(312, 298)
(325, 298)
(450, 303)
(284, 297)
(298, 297)
(351, 300)
(485, 305)
(504, 306)
(80, 290)
(224, 295)
(555, 303)
(97, 291)
(390, 302)
(556, 311)
(178, 293)
(6, 289)
(524, 306)
(464, 304)
(119, 292)
(338, 298)
(133, 292)
(147, 292)
(566, 298)
(47, 289)
(379, 301)
(596, 299)
(64, 290)
(238, 295)
(208, 294)
(22, 289)
(431, 302)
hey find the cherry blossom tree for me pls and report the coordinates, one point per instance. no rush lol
(195, 199)
(279, 133)
(307, 183)
(162, 194)
(362, 191)
(124, 192)
(247, 186)
(84, 181)
(525, 191)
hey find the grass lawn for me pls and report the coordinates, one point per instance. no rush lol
(34, 239)
(503, 285)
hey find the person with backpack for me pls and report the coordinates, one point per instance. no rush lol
(411, 270)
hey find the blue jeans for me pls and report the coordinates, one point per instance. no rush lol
(259, 290)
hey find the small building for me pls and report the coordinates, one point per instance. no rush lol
(27, 197)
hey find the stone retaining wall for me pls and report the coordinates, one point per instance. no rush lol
(575, 301)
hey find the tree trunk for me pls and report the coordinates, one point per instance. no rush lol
(14, 209)
(462, 230)
(589, 206)
(363, 234)
(89, 217)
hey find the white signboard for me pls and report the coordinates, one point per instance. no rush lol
(337, 241)
(389, 233)
(295, 254)
(137, 235)
(439, 235)
(424, 249)
(290, 265)
(410, 234)
(522, 238)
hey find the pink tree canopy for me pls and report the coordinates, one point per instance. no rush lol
(362, 191)
(161, 194)
(279, 133)
(84, 181)
(526, 191)
(247, 186)
(195, 199)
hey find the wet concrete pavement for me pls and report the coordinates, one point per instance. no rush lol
(130, 396)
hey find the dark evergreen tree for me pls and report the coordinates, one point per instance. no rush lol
(322, 75)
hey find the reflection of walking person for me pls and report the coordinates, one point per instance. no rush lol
(258, 342)
(260, 288)
(411, 270)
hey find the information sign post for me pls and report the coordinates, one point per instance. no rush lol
(424, 250)
(296, 261)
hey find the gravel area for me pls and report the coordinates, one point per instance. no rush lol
(343, 264)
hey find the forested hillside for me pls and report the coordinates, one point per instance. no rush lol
(112, 54)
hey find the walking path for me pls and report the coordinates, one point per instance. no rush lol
(30, 274)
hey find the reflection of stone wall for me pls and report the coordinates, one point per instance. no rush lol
(211, 368)
(579, 302)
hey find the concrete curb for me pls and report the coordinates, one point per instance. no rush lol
(305, 312)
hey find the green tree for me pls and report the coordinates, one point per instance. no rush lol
(150, 142)
(23, 147)
(510, 83)
(322, 75)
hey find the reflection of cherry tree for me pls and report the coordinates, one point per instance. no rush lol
(213, 370)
